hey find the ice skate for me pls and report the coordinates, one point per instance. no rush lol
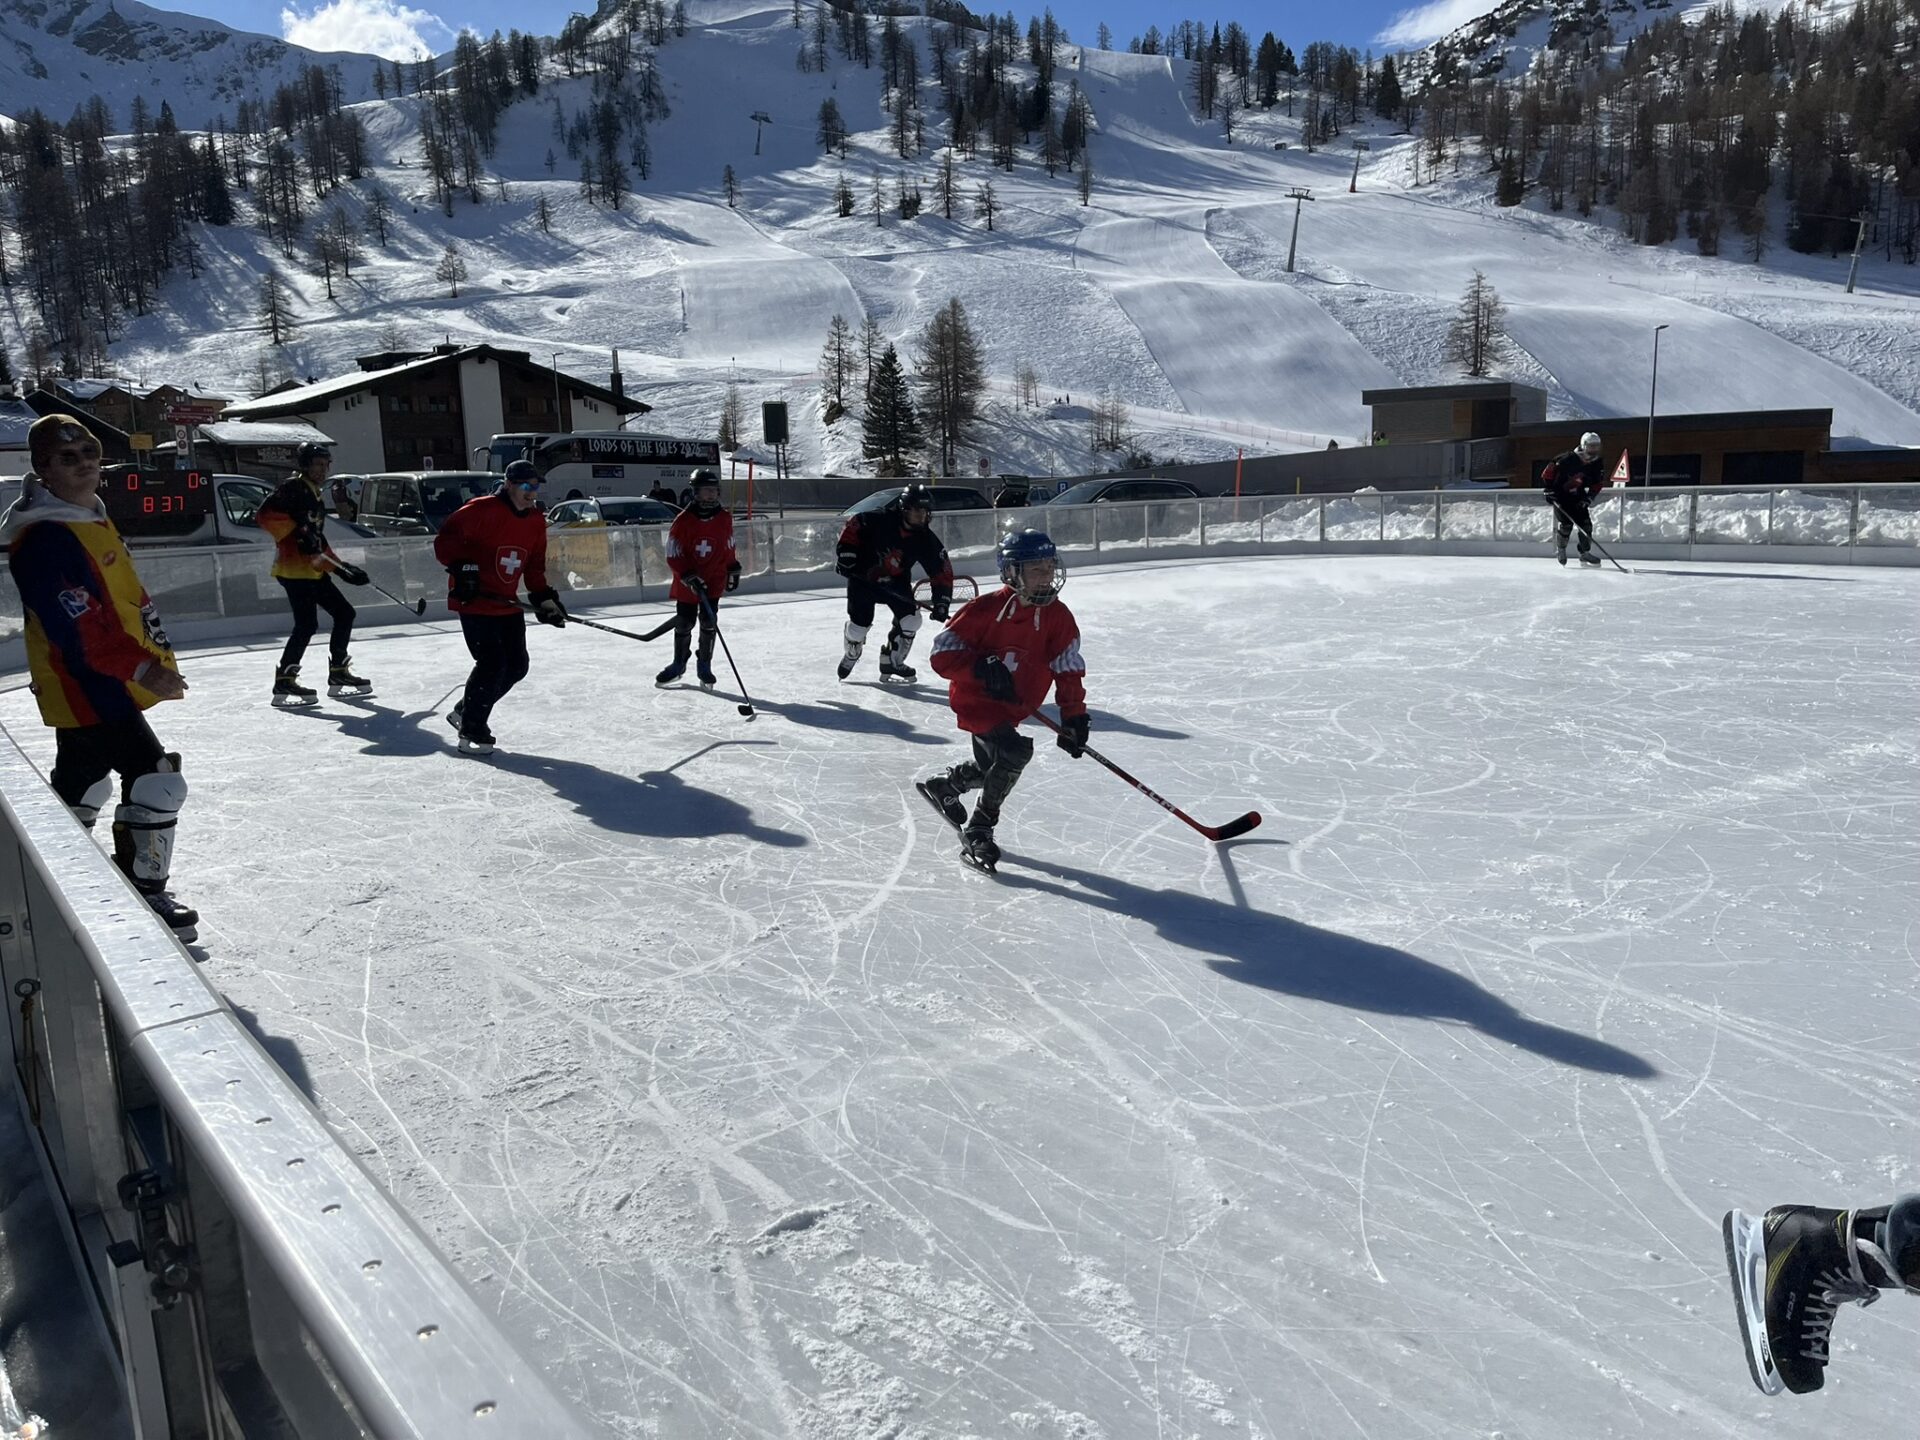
(671, 674)
(1791, 1271)
(457, 716)
(1560, 552)
(183, 920)
(289, 693)
(944, 796)
(906, 674)
(343, 684)
(1587, 557)
(706, 676)
(476, 740)
(853, 645)
(977, 847)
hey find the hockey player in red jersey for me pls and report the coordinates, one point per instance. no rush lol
(878, 550)
(489, 545)
(1002, 653)
(700, 554)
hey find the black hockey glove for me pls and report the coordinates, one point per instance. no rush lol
(466, 581)
(547, 608)
(941, 608)
(733, 578)
(1073, 736)
(992, 673)
(849, 562)
(695, 584)
(352, 574)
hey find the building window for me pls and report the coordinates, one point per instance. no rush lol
(516, 406)
(399, 404)
(1761, 467)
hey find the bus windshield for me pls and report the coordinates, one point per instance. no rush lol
(508, 448)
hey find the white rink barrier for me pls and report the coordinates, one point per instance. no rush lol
(255, 1280)
(203, 593)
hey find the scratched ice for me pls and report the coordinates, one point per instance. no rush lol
(1583, 910)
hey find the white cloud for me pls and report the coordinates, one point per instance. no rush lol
(1430, 21)
(371, 27)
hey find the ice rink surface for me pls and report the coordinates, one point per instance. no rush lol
(1584, 909)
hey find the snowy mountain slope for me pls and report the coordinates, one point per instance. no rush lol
(55, 53)
(1169, 288)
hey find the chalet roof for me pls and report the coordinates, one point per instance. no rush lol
(263, 432)
(301, 398)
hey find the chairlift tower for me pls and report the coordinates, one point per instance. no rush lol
(759, 118)
(1296, 195)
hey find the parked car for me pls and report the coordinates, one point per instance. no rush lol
(417, 502)
(191, 507)
(1088, 492)
(945, 497)
(611, 510)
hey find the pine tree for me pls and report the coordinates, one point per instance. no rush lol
(543, 215)
(836, 367)
(1086, 176)
(985, 203)
(1387, 99)
(952, 376)
(729, 186)
(891, 432)
(276, 311)
(831, 131)
(844, 200)
(1475, 334)
(451, 270)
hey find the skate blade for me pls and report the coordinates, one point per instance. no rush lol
(974, 864)
(469, 747)
(1747, 1266)
(348, 692)
(295, 702)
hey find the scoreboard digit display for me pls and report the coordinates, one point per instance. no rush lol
(157, 502)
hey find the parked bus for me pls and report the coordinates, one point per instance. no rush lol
(604, 462)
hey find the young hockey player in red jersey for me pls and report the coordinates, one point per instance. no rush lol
(1002, 653)
(488, 546)
(878, 550)
(700, 554)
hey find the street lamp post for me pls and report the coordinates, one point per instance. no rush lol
(1653, 395)
(555, 367)
(1296, 195)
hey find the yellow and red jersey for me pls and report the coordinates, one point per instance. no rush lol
(90, 623)
(508, 545)
(1039, 644)
(700, 545)
(296, 517)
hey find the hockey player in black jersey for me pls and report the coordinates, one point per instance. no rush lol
(878, 550)
(1571, 481)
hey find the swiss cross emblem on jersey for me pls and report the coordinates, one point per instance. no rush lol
(703, 549)
(511, 560)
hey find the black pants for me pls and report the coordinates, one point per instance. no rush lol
(1572, 510)
(498, 644)
(863, 596)
(308, 598)
(685, 613)
(998, 758)
(87, 754)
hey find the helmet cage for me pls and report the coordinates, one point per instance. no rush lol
(1027, 551)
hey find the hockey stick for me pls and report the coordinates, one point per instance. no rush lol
(1232, 830)
(1587, 530)
(653, 634)
(714, 617)
(886, 592)
(418, 607)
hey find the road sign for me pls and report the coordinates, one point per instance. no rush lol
(191, 414)
(140, 440)
(773, 422)
(183, 436)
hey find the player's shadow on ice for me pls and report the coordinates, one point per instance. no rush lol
(657, 803)
(838, 715)
(1285, 956)
(385, 731)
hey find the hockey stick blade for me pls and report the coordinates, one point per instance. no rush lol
(1234, 829)
(747, 711)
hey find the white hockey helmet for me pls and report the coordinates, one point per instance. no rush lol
(1590, 446)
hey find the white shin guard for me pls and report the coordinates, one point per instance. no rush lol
(87, 809)
(856, 638)
(904, 630)
(143, 827)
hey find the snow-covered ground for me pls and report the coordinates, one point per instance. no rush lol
(1582, 910)
(1169, 289)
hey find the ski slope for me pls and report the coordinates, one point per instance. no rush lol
(1582, 911)
(1168, 289)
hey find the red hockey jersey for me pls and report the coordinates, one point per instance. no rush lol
(1040, 645)
(699, 545)
(509, 546)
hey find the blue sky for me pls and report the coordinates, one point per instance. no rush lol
(395, 27)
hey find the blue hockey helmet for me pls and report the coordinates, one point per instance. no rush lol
(1030, 566)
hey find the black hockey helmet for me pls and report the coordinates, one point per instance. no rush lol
(916, 497)
(522, 472)
(310, 451)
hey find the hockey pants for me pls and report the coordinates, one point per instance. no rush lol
(685, 613)
(1569, 513)
(498, 644)
(998, 758)
(862, 599)
(308, 598)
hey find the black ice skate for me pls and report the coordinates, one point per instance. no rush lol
(476, 740)
(1560, 552)
(906, 674)
(1587, 557)
(944, 796)
(671, 674)
(289, 693)
(707, 678)
(457, 716)
(183, 920)
(342, 683)
(1791, 1271)
(977, 848)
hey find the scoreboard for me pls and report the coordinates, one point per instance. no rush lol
(156, 502)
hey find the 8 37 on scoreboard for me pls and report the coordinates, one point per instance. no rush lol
(156, 502)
